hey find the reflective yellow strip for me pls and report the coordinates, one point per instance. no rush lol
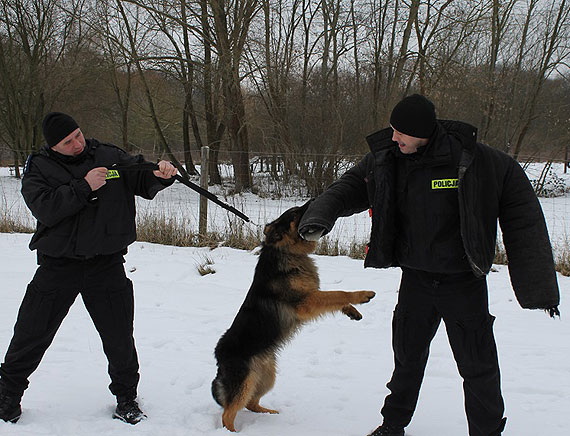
(444, 184)
(112, 174)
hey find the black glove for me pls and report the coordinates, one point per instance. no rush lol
(312, 233)
(553, 312)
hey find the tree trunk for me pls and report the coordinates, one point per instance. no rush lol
(153, 114)
(188, 111)
(17, 165)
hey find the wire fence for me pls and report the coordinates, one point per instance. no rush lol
(281, 180)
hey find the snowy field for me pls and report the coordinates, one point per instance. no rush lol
(331, 377)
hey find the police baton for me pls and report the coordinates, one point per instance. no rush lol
(149, 166)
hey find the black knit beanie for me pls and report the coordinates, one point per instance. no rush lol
(414, 116)
(57, 126)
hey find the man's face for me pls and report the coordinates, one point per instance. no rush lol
(72, 145)
(408, 144)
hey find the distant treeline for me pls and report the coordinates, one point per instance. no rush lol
(303, 79)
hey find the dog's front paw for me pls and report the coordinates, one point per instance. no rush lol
(351, 312)
(363, 296)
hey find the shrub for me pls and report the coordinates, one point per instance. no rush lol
(500, 254)
(169, 230)
(562, 260)
(9, 224)
(550, 186)
(205, 267)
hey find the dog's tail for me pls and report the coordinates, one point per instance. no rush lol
(218, 391)
(229, 381)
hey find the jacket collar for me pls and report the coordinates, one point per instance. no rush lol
(380, 140)
(436, 150)
(90, 145)
(464, 132)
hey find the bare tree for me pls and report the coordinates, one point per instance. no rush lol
(394, 85)
(213, 109)
(131, 36)
(500, 17)
(38, 41)
(173, 20)
(112, 41)
(523, 37)
(378, 26)
(232, 20)
(552, 50)
(442, 30)
(273, 61)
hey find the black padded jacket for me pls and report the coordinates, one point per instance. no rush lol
(70, 223)
(492, 185)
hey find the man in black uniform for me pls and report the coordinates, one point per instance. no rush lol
(85, 221)
(435, 195)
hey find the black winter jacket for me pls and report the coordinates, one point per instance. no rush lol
(69, 225)
(492, 186)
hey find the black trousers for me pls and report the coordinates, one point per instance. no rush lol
(108, 296)
(461, 300)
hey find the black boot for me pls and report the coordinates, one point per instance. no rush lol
(10, 409)
(128, 409)
(388, 430)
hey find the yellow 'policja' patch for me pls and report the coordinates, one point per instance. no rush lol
(112, 174)
(445, 184)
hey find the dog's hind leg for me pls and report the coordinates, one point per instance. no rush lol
(229, 416)
(266, 367)
(243, 397)
(246, 393)
(257, 408)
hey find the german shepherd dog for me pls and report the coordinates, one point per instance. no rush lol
(284, 295)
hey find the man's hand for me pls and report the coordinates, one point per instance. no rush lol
(312, 233)
(165, 170)
(96, 177)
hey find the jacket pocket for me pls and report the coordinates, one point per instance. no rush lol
(36, 311)
(473, 343)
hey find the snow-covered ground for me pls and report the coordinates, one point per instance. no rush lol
(331, 377)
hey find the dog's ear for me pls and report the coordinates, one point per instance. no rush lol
(271, 236)
(275, 230)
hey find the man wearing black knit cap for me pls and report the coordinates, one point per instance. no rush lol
(85, 213)
(435, 195)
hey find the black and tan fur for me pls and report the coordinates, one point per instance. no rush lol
(283, 296)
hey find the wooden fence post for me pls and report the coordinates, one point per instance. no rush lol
(203, 222)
